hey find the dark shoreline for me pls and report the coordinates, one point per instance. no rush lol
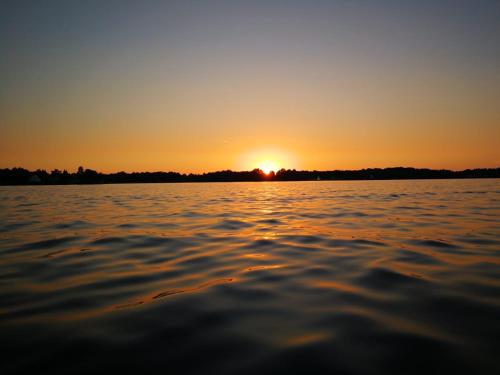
(21, 176)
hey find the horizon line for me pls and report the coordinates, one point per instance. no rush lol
(50, 170)
(21, 176)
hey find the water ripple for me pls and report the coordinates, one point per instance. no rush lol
(375, 277)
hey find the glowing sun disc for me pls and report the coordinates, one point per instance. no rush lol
(268, 167)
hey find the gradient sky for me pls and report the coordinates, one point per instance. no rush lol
(207, 85)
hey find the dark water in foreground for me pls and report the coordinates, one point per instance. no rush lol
(301, 277)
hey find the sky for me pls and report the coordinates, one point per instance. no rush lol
(195, 86)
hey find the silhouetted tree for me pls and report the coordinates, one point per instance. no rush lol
(21, 176)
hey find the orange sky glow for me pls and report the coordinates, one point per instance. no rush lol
(212, 87)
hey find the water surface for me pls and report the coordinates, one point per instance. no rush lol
(361, 277)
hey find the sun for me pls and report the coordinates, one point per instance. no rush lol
(268, 166)
(267, 159)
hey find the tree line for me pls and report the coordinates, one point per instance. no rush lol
(21, 176)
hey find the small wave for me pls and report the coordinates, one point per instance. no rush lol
(433, 243)
(417, 258)
(386, 279)
(355, 243)
(187, 290)
(47, 244)
(270, 221)
(229, 224)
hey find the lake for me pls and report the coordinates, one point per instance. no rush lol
(351, 277)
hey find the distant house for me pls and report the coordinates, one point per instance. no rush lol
(34, 179)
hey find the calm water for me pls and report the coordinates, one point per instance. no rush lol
(300, 277)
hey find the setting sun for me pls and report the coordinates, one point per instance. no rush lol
(267, 159)
(268, 166)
